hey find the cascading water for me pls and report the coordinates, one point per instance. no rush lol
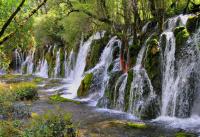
(173, 82)
(76, 75)
(100, 72)
(116, 66)
(42, 69)
(141, 88)
(119, 101)
(168, 71)
(180, 79)
(18, 61)
(70, 65)
(28, 63)
(57, 67)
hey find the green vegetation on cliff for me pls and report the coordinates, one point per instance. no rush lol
(85, 85)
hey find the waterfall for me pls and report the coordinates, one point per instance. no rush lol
(28, 63)
(76, 75)
(57, 67)
(42, 69)
(176, 73)
(141, 90)
(100, 71)
(69, 65)
(119, 101)
(168, 71)
(116, 66)
(66, 65)
(18, 61)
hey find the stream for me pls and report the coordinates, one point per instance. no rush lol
(96, 122)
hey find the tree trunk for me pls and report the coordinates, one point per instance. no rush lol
(186, 7)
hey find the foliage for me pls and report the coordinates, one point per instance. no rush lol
(183, 134)
(24, 90)
(137, 125)
(47, 125)
(85, 85)
(10, 129)
(58, 98)
(51, 125)
(10, 93)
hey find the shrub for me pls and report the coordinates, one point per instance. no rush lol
(25, 90)
(51, 125)
(10, 93)
(47, 125)
(10, 129)
(6, 100)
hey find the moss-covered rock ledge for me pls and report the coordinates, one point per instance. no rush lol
(85, 85)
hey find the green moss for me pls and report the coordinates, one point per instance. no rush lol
(192, 23)
(96, 50)
(38, 80)
(24, 90)
(128, 87)
(137, 125)
(134, 50)
(152, 63)
(109, 91)
(85, 85)
(58, 98)
(183, 134)
(9, 76)
(182, 36)
(62, 65)
(178, 29)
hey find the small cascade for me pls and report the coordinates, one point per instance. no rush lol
(69, 64)
(144, 28)
(76, 74)
(42, 69)
(100, 71)
(168, 71)
(27, 65)
(141, 88)
(66, 65)
(18, 61)
(116, 66)
(57, 67)
(176, 73)
(120, 86)
(180, 20)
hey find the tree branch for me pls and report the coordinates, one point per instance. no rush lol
(71, 10)
(10, 35)
(7, 23)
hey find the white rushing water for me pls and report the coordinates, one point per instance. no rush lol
(170, 83)
(76, 75)
(18, 61)
(100, 71)
(57, 67)
(136, 97)
(42, 69)
(168, 71)
(28, 63)
(180, 81)
(119, 103)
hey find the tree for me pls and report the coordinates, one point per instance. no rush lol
(22, 23)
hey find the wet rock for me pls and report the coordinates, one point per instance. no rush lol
(85, 85)
(193, 23)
